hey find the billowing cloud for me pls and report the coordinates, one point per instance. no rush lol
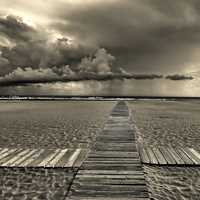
(98, 40)
(99, 66)
(14, 29)
(102, 63)
(178, 77)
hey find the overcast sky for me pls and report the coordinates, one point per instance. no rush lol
(95, 39)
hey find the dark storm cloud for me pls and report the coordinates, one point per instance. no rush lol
(32, 48)
(144, 35)
(149, 37)
(98, 67)
(178, 77)
(15, 29)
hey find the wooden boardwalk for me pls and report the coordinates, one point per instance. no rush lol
(112, 169)
(42, 157)
(170, 156)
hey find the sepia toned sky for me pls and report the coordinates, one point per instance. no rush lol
(63, 40)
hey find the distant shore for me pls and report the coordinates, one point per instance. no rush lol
(97, 98)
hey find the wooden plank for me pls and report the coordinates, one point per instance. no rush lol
(106, 198)
(29, 160)
(195, 153)
(3, 151)
(73, 158)
(185, 158)
(49, 157)
(40, 158)
(90, 193)
(144, 156)
(159, 156)
(105, 176)
(110, 167)
(56, 159)
(151, 155)
(8, 155)
(111, 172)
(110, 188)
(15, 158)
(97, 181)
(65, 158)
(168, 157)
(114, 154)
(81, 157)
(112, 161)
(176, 157)
(113, 169)
(20, 160)
(192, 156)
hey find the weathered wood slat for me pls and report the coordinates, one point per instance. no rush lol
(44, 162)
(177, 156)
(30, 160)
(144, 156)
(109, 172)
(81, 157)
(73, 158)
(113, 193)
(8, 155)
(56, 159)
(168, 157)
(112, 176)
(15, 158)
(152, 156)
(42, 157)
(6, 152)
(159, 156)
(195, 153)
(193, 157)
(22, 159)
(103, 181)
(62, 162)
(110, 188)
(106, 198)
(112, 169)
(185, 158)
(114, 154)
(112, 161)
(3, 151)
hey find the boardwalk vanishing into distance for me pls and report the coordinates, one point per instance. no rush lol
(112, 168)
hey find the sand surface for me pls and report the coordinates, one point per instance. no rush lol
(175, 124)
(173, 183)
(52, 124)
(34, 184)
(72, 124)
(168, 123)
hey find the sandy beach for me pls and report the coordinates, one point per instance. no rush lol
(72, 124)
(167, 123)
(175, 124)
(54, 124)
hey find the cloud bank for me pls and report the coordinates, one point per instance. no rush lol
(178, 77)
(98, 40)
(99, 68)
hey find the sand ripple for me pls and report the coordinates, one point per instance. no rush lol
(173, 183)
(51, 124)
(168, 123)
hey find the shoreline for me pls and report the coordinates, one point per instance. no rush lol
(96, 98)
